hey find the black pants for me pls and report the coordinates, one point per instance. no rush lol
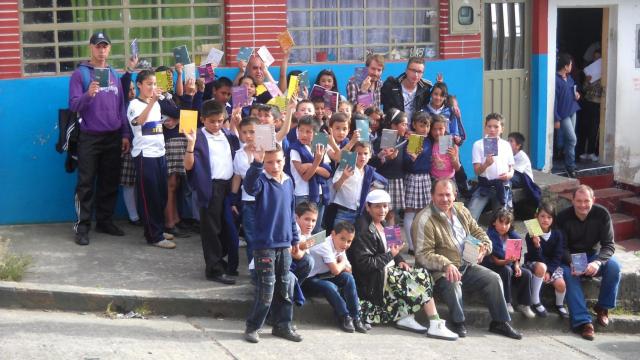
(588, 127)
(99, 167)
(214, 230)
(151, 186)
(522, 284)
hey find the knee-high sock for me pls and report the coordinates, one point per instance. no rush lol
(536, 284)
(560, 297)
(129, 196)
(406, 223)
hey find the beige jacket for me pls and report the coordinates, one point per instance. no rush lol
(433, 239)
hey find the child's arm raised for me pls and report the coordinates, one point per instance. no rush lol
(282, 84)
(252, 185)
(179, 86)
(286, 126)
(144, 115)
(454, 153)
(346, 174)
(191, 144)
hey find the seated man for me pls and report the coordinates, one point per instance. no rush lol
(588, 229)
(441, 253)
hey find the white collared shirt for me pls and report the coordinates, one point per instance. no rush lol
(501, 162)
(220, 158)
(240, 166)
(349, 193)
(324, 254)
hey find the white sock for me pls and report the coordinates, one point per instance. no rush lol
(560, 297)
(536, 284)
(406, 223)
(129, 196)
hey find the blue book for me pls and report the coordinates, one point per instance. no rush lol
(319, 138)
(360, 74)
(244, 54)
(347, 158)
(363, 126)
(579, 262)
(490, 146)
(101, 76)
(182, 55)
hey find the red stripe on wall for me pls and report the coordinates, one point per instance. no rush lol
(539, 36)
(10, 63)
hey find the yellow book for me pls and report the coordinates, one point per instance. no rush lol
(415, 144)
(260, 89)
(292, 90)
(188, 121)
(164, 80)
(533, 227)
(285, 40)
(280, 102)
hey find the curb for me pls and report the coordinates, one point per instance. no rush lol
(233, 302)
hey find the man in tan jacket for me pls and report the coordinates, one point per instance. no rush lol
(439, 232)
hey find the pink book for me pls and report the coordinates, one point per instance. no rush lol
(393, 234)
(513, 248)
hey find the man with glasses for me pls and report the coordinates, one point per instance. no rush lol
(408, 92)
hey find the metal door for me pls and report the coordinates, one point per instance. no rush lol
(507, 53)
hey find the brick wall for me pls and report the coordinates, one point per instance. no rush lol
(9, 40)
(456, 46)
(253, 23)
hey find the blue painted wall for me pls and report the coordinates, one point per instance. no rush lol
(37, 189)
(539, 103)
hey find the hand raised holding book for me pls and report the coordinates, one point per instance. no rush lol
(93, 89)
(190, 87)
(488, 161)
(536, 241)
(258, 154)
(347, 172)
(366, 84)
(191, 139)
(318, 153)
(179, 67)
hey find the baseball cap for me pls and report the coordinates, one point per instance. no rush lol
(98, 38)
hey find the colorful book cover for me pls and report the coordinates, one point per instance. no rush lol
(360, 74)
(513, 248)
(214, 57)
(260, 89)
(317, 92)
(320, 137)
(318, 238)
(490, 145)
(244, 54)
(101, 76)
(189, 72)
(533, 227)
(303, 81)
(280, 102)
(347, 158)
(292, 90)
(393, 234)
(266, 56)
(331, 99)
(363, 126)
(188, 121)
(366, 99)
(207, 72)
(388, 138)
(415, 144)
(285, 40)
(444, 143)
(133, 48)
(579, 262)
(182, 55)
(273, 89)
(471, 250)
(240, 96)
(265, 137)
(164, 80)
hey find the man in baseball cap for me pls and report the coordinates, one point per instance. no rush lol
(98, 38)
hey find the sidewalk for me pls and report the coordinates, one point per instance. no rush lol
(128, 273)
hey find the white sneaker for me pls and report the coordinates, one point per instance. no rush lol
(409, 323)
(168, 236)
(594, 157)
(584, 156)
(510, 308)
(526, 311)
(438, 330)
(165, 244)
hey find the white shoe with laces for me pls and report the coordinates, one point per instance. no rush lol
(526, 311)
(438, 330)
(409, 323)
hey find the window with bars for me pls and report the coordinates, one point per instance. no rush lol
(504, 36)
(346, 30)
(55, 33)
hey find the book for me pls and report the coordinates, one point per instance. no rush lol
(260, 89)
(188, 121)
(513, 248)
(265, 137)
(331, 99)
(266, 56)
(415, 144)
(320, 137)
(366, 99)
(393, 234)
(317, 92)
(318, 238)
(134, 49)
(445, 142)
(189, 72)
(347, 158)
(471, 250)
(292, 90)
(388, 138)
(363, 126)
(244, 54)
(101, 76)
(279, 101)
(182, 54)
(214, 57)
(360, 74)
(240, 96)
(490, 145)
(273, 89)
(285, 40)
(164, 80)
(579, 262)
(303, 81)
(533, 227)
(207, 72)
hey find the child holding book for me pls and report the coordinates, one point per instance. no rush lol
(375, 122)
(494, 168)
(331, 276)
(500, 231)
(443, 166)
(543, 258)
(338, 137)
(275, 204)
(417, 167)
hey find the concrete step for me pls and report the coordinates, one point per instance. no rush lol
(624, 226)
(631, 206)
(601, 181)
(631, 245)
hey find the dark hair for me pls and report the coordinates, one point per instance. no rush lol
(305, 101)
(415, 60)
(547, 207)
(222, 82)
(379, 58)
(438, 119)
(503, 214)
(494, 116)
(162, 68)
(562, 60)
(338, 117)
(361, 144)
(308, 120)
(517, 137)
(394, 116)
(257, 106)
(143, 75)
(305, 207)
(249, 120)
(374, 110)
(212, 107)
(328, 72)
(248, 77)
(344, 226)
(277, 149)
(421, 117)
(274, 110)
(443, 87)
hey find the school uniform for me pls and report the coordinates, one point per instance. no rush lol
(393, 171)
(417, 181)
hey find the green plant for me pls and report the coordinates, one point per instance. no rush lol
(143, 309)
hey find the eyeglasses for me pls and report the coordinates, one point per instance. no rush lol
(417, 71)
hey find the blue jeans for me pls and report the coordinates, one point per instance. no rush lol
(301, 268)
(320, 205)
(610, 273)
(332, 287)
(346, 216)
(481, 197)
(568, 127)
(272, 288)
(248, 220)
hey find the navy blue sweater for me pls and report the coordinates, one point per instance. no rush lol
(497, 244)
(550, 251)
(275, 204)
(422, 165)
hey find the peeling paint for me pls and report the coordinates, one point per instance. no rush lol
(627, 166)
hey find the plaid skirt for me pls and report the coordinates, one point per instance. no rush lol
(395, 188)
(175, 148)
(417, 190)
(127, 170)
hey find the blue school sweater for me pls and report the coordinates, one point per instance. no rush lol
(496, 242)
(422, 165)
(550, 251)
(275, 209)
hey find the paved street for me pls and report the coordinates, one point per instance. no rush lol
(56, 335)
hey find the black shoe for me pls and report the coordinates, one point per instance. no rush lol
(504, 328)
(222, 278)
(233, 273)
(182, 225)
(571, 174)
(136, 222)
(287, 333)
(177, 232)
(109, 228)
(82, 238)
(346, 324)
(251, 336)
(458, 328)
(539, 310)
(359, 326)
(562, 311)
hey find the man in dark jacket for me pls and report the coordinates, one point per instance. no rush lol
(409, 92)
